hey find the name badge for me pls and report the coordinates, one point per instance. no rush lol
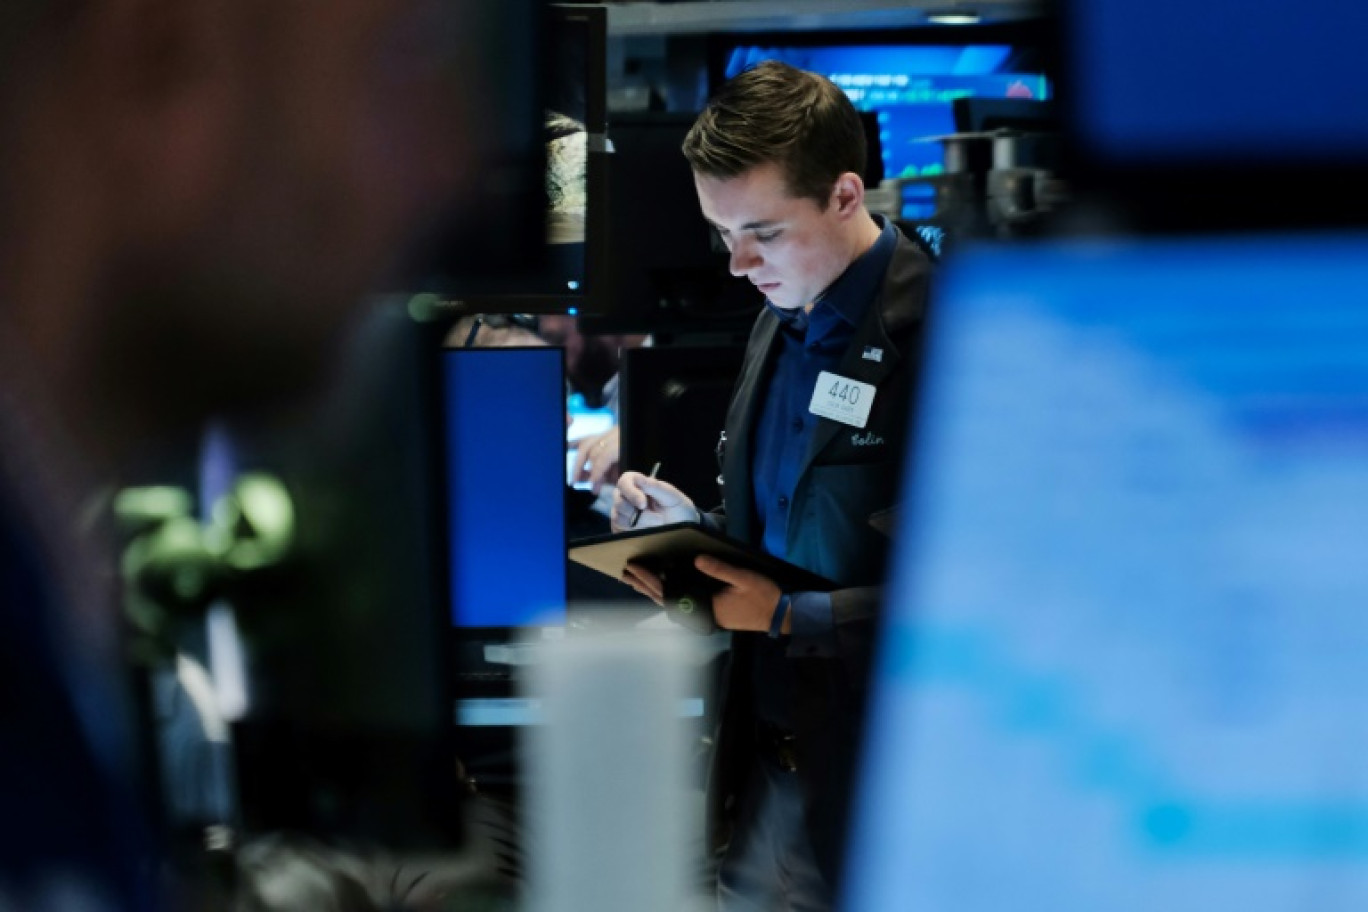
(842, 399)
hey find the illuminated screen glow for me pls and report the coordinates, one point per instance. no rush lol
(911, 88)
(1225, 81)
(505, 474)
(1122, 666)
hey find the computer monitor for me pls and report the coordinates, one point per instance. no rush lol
(668, 272)
(1019, 115)
(1275, 84)
(571, 61)
(503, 423)
(909, 79)
(1241, 118)
(1121, 664)
(341, 727)
(503, 427)
(674, 407)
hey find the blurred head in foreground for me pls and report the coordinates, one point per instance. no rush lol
(194, 194)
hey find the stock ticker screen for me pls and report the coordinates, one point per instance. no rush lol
(910, 87)
(1123, 666)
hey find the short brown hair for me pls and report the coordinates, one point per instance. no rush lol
(777, 113)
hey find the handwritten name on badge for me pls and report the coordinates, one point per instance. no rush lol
(842, 399)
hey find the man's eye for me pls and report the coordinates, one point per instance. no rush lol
(766, 237)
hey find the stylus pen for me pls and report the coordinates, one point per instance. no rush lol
(637, 515)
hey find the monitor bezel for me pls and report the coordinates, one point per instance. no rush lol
(504, 296)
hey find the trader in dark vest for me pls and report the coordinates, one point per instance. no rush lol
(812, 449)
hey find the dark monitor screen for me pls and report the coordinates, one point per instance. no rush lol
(674, 407)
(910, 87)
(668, 270)
(1023, 115)
(342, 649)
(504, 425)
(1122, 660)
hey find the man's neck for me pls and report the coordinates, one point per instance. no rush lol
(867, 234)
(864, 234)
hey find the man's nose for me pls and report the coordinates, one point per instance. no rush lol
(743, 258)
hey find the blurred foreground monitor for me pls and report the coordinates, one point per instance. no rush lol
(344, 729)
(1122, 663)
(1275, 83)
(1227, 117)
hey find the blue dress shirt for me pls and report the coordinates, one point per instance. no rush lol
(809, 342)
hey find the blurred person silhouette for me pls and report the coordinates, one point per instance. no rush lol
(591, 360)
(193, 197)
(494, 331)
(598, 459)
(281, 873)
(591, 363)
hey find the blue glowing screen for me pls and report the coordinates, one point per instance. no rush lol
(1169, 81)
(1123, 664)
(911, 88)
(505, 445)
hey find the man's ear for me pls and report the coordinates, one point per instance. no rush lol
(166, 92)
(848, 194)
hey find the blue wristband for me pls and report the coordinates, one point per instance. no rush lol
(780, 612)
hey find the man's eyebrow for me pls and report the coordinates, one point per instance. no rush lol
(749, 226)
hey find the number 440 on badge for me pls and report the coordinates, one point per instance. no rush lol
(842, 399)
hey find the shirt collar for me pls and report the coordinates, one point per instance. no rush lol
(849, 296)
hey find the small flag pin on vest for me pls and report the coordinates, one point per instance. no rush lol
(873, 354)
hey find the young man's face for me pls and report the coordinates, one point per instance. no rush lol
(789, 248)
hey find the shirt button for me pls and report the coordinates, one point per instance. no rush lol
(783, 503)
(797, 425)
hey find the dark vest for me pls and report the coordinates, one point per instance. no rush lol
(847, 474)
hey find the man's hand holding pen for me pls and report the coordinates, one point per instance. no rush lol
(642, 502)
(636, 517)
(747, 600)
